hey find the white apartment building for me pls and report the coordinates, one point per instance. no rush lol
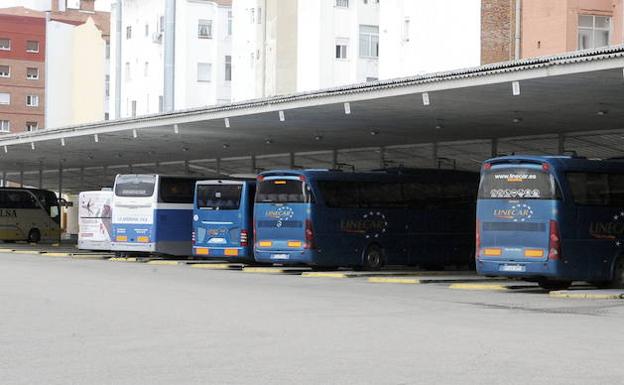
(423, 36)
(198, 64)
(290, 46)
(46, 5)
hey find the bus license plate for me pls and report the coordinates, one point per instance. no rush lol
(513, 268)
(280, 256)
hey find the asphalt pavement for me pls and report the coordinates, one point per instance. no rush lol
(74, 322)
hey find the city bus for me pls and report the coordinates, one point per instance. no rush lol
(552, 220)
(329, 219)
(95, 219)
(223, 219)
(31, 215)
(152, 214)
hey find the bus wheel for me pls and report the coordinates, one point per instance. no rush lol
(373, 258)
(554, 285)
(34, 236)
(618, 274)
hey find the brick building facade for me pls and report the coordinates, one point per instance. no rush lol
(22, 69)
(548, 27)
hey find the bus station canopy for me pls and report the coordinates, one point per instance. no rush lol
(567, 103)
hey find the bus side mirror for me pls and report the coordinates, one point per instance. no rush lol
(65, 203)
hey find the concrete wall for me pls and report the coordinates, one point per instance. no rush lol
(420, 36)
(89, 73)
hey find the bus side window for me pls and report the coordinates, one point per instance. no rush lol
(616, 189)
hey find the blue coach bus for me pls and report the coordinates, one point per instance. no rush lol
(152, 214)
(365, 220)
(552, 220)
(223, 219)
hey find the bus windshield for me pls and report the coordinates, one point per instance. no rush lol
(219, 197)
(517, 183)
(135, 185)
(283, 191)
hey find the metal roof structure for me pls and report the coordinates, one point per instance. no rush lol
(451, 119)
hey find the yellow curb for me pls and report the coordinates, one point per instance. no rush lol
(3, 250)
(57, 254)
(562, 294)
(478, 286)
(89, 256)
(215, 266)
(116, 259)
(412, 281)
(55, 244)
(27, 251)
(270, 270)
(324, 274)
(169, 263)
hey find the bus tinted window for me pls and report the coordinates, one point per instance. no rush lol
(219, 197)
(517, 183)
(177, 190)
(283, 191)
(596, 189)
(340, 194)
(135, 185)
(14, 199)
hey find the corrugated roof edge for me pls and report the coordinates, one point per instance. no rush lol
(484, 70)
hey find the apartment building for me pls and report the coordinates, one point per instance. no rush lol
(516, 29)
(22, 69)
(423, 36)
(282, 47)
(169, 55)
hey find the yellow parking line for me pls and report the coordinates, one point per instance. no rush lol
(89, 256)
(57, 254)
(168, 263)
(325, 274)
(272, 270)
(215, 266)
(478, 286)
(6, 250)
(28, 251)
(585, 295)
(412, 281)
(117, 259)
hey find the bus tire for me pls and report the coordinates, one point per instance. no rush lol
(617, 280)
(34, 236)
(373, 258)
(554, 285)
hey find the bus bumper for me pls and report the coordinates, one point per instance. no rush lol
(286, 257)
(233, 253)
(133, 247)
(521, 269)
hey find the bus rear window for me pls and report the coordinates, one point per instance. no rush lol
(517, 183)
(135, 185)
(219, 197)
(283, 191)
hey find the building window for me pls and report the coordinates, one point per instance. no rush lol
(134, 108)
(128, 75)
(228, 68)
(5, 44)
(146, 30)
(5, 126)
(229, 26)
(32, 46)
(32, 126)
(369, 41)
(161, 24)
(107, 50)
(259, 15)
(405, 33)
(342, 3)
(5, 71)
(161, 103)
(204, 29)
(341, 48)
(204, 72)
(593, 31)
(32, 73)
(32, 101)
(107, 86)
(5, 98)
(252, 15)
(129, 32)
(146, 69)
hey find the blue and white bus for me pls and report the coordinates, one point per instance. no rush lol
(223, 219)
(365, 220)
(153, 214)
(552, 220)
